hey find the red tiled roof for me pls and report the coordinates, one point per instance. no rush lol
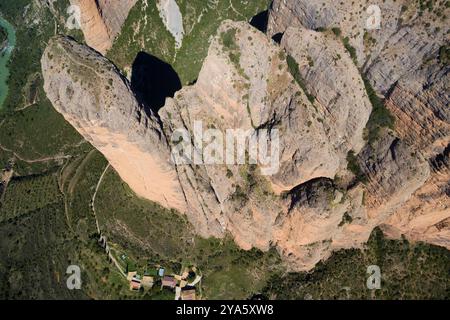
(169, 281)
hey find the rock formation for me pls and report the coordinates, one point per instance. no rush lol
(92, 95)
(102, 20)
(401, 60)
(309, 89)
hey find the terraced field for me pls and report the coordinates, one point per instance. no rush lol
(29, 193)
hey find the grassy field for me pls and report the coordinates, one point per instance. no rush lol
(144, 31)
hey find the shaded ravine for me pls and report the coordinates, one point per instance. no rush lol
(5, 54)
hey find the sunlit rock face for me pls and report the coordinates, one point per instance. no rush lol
(102, 20)
(173, 20)
(401, 59)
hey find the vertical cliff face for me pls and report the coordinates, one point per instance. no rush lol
(257, 90)
(407, 36)
(309, 89)
(402, 61)
(92, 95)
(102, 20)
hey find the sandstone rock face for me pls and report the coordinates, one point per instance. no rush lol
(407, 36)
(318, 105)
(401, 60)
(102, 20)
(92, 95)
(340, 96)
(420, 104)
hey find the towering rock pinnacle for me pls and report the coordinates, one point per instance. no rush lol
(92, 95)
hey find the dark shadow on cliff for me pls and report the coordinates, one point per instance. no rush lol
(278, 37)
(260, 21)
(153, 80)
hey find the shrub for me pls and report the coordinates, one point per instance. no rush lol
(353, 166)
(295, 72)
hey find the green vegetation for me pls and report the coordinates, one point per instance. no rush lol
(408, 271)
(337, 31)
(353, 166)
(29, 193)
(3, 36)
(425, 5)
(295, 72)
(150, 35)
(444, 55)
(346, 218)
(380, 116)
(32, 131)
(228, 39)
(351, 50)
(43, 231)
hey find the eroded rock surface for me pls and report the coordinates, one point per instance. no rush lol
(246, 83)
(402, 61)
(92, 95)
(102, 20)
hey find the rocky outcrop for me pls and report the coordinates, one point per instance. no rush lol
(401, 61)
(92, 95)
(311, 93)
(340, 97)
(408, 34)
(426, 215)
(102, 20)
(420, 105)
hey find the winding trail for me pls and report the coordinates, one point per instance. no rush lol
(46, 159)
(95, 195)
(107, 249)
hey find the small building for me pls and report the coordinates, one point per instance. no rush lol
(135, 283)
(188, 294)
(169, 282)
(147, 282)
(131, 275)
(161, 272)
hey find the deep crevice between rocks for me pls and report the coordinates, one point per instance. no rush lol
(152, 81)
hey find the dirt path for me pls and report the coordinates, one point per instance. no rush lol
(61, 189)
(46, 159)
(94, 196)
(108, 251)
